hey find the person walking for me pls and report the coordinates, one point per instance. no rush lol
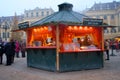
(17, 48)
(1, 51)
(10, 52)
(107, 47)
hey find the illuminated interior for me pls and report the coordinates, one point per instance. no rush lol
(41, 36)
(76, 38)
(71, 38)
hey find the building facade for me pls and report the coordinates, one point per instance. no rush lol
(37, 14)
(6, 24)
(110, 13)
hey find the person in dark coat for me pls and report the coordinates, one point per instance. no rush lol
(23, 48)
(1, 51)
(10, 52)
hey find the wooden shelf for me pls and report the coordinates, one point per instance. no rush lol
(39, 47)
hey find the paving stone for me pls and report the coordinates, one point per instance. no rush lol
(20, 71)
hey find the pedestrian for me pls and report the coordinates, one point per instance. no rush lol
(10, 52)
(17, 48)
(1, 51)
(23, 48)
(119, 45)
(107, 47)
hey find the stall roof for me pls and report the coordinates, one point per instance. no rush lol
(65, 14)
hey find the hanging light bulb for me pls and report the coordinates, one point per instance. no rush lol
(45, 28)
(38, 29)
(80, 27)
(70, 28)
(75, 28)
(85, 28)
(35, 30)
(90, 28)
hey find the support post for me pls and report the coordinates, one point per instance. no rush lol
(57, 45)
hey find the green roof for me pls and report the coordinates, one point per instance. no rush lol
(65, 14)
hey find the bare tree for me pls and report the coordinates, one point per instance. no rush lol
(16, 35)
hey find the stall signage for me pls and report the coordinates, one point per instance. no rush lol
(92, 21)
(23, 25)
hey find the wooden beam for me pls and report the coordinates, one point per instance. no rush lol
(102, 38)
(57, 45)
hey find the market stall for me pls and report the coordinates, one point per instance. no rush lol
(64, 41)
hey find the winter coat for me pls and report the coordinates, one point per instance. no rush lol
(17, 47)
(10, 48)
(1, 48)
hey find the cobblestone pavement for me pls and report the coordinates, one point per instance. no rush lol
(20, 71)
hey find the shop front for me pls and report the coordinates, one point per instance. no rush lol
(60, 44)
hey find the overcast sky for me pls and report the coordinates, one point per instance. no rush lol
(9, 7)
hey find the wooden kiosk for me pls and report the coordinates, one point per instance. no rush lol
(64, 42)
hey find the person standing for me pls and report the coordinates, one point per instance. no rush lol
(23, 48)
(1, 51)
(10, 52)
(17, 48)
(107, 47)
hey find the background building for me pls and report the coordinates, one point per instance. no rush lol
(6, 24)
(110, 13)
(37, 14)
(9, 22)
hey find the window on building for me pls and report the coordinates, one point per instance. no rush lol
(106, 31)
(113, 30)
(47, 12)
(105, 17)
(31, 14)
(42, 13)
(26, 14)
(8, 35)
(37, 14)
(4, 35)
(97, 17)
(112, 16)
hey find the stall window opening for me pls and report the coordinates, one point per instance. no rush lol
(76, 38)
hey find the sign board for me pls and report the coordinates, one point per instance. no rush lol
(23, 25)
(92, 21)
